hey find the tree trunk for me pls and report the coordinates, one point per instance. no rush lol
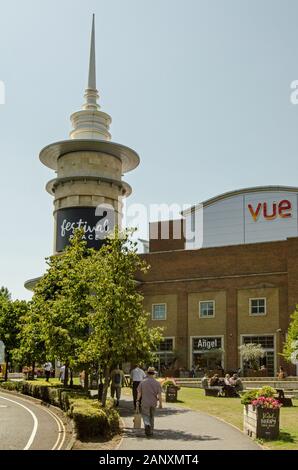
(105, 386)
(32, 373)
(65, 383)
(86, 381)
(71, 378)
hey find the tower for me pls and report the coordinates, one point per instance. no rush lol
(88, 189)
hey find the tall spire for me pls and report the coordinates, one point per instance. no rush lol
(91, 94)
(92, 68)
(90, 122)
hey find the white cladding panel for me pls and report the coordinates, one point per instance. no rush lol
(246, 218)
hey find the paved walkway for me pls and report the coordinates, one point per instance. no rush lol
(178, 428)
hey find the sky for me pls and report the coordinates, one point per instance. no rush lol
(199, 88)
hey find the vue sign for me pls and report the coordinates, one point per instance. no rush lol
(271, 211)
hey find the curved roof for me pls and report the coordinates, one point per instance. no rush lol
(237, 192)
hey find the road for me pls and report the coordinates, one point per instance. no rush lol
(25, 424)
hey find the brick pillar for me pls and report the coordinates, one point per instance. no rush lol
(292, 268)
(182, 338)
(231, 339)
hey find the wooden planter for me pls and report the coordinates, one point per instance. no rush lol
(261, 423)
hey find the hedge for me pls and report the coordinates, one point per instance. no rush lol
(89, 417)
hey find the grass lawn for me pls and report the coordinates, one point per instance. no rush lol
(231, 410)
(55, 381)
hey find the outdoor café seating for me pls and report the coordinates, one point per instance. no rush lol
(217, 387)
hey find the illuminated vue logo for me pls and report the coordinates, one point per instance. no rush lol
(271, 211)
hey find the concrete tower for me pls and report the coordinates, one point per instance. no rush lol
(88, 188)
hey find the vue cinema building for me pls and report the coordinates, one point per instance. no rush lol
(239, 287)
(235, 284)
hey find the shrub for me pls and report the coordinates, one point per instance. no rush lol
(12, 386)
(248, 397)
(266, 391)
(89, 417)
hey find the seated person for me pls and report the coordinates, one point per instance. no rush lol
(227, 379)
(214, 381)
(205, 381)
(281, 373)
(236, 382)
(228, 388)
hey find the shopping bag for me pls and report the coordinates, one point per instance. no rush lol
(137, 419)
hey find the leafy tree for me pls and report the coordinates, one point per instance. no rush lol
(31, 347)
(10, 314)
(252, 353)
(119, 330)
(4, 293)
(89, 309)
(290, 350)
(61, 303)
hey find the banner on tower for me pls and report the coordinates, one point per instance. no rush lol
(97, 223)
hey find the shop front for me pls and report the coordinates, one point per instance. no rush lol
(165, 363)
(207, 355)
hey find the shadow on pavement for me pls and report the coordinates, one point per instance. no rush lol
(166, 434)
(126, 410)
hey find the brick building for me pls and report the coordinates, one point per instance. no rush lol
(212, 299)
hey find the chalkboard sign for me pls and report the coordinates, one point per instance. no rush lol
(171, 393)
(268, 423)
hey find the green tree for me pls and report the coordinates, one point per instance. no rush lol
(31, 347)
(290, 350)
(10, 315)
(61, 303)
(119, 331)
(4, 293)
(252, 353)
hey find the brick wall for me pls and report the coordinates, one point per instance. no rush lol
(235, 272)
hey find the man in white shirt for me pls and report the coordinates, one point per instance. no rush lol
(48, 369)
(137, 375)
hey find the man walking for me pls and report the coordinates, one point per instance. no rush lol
(47, 370)
(137, 375)
(149, 391)
(117, 381)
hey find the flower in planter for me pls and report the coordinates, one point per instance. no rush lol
(266, 402)
(169, 381)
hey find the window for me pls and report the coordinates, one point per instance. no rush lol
(257, 306)
(166, 345)
(267, 342)
(165, 356)
(207, 309)
(159, 311)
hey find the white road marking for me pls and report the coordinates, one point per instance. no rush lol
(3, 406)
(61, 429)
(35, 420)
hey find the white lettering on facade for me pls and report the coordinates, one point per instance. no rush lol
(67, 227)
